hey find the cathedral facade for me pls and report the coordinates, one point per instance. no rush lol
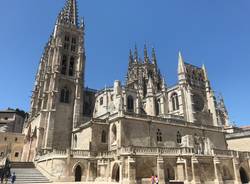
(126, 133)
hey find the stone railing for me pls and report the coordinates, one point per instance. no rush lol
(155, 151)
(83, 153)
(227, 153)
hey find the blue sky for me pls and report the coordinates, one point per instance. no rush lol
(216, 33)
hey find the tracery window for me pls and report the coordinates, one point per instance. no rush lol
(64, 97)
(130, 103)
(64, 65)
(104, 137)
(71, 66)
(178, 139)
(157, 107)
(101, 101)
(159, 135)
(175, 102)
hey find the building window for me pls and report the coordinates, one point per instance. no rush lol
(112, 97)
(159, 135)
(1, 154)
(6, 118)
(16, 139)
(104, 137)
(114, 134)
(130, 103)
(178, 137)
(75, 141)
(66, 46)
(66, 38)
(64, 98)
(74, 40)
(71, 66)
(16, 154)
(64, 65)
(175, 102)
(157, 107)
(5, 138)
(101, 101)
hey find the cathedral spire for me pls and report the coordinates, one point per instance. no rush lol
(181, 65)
(68, 14)
(136, 55)
(154, 56)
(146, 60)
(131, 58)
(205, 72)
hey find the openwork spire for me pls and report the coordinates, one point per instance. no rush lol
(69, 14)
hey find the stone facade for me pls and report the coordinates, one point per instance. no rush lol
(126, 133)
(11, 137)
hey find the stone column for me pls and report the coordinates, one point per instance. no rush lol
(131, 171)
(160, 170)
(121, 172)
(88, 171)
(216, 162)
(194, 162)
(237, 179)
(181, 169)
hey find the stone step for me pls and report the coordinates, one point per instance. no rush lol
(22, 165)
(29, 176)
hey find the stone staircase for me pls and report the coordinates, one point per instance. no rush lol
(26, 173)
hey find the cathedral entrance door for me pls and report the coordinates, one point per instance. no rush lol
(243, 176)
(78, 173)
(116, 173)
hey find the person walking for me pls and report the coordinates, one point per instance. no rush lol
(13, 178)
(152, 179)
(156, 179)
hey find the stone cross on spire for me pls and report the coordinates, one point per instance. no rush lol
(68, 14)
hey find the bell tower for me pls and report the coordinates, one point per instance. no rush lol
(57, 99)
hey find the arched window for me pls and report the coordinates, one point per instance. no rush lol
(71, 66)
(75, 141)
(65, 95)
(159, 135)
(104, 137)
(130, 103)
(178, 139)
(114, 134)
(175, 102)
(101, 101)
(64, 65)
(157, 107)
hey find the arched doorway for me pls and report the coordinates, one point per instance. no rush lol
(243, 176)
(169, 173)
(78, 173)
(116, 173)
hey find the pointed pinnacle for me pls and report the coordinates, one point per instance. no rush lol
(153, 56)
(145, 53)
(136, 54)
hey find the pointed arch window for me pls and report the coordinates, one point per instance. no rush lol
(64, 65)
(101, 101)
(71, 66)
(178, 137)
(65, 95)
(157, 107)
(75, 141)
(159, 135)
(175, 102)
(104, 137)
(130, 103)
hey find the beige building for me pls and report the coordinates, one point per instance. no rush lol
(11, 137)
(126, 133)
(239, 139)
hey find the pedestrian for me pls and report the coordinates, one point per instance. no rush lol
(6, 179)
(13, 178)
(156, 179)
(152, 179)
